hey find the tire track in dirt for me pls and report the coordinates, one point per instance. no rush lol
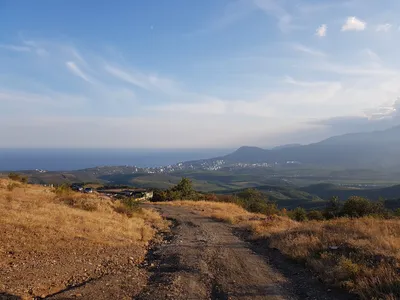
(203, 259)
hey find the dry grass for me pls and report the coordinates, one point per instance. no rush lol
(33, 217)
(360, 255)
(51, 240)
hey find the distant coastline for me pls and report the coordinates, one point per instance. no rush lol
(76, 159)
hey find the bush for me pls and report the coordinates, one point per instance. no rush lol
(18, 177)
(397, 212)
(299, 214)
(315, 215)
(332, 209)
(62, 190)
(357, 207)
(128, 206)
(255, 201)
(182, 191)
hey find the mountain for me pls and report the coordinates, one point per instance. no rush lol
(286, 146)
(379, 149)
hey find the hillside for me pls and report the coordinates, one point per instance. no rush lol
(51, 241)
(371, 149)
(327, 191)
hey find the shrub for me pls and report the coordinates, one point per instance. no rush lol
(315, 215)
(184, 189)
(128, 206)
(332, 209)
(62, 190)
(357, 207)
(299, 214)
(18, 177)
(255, 201)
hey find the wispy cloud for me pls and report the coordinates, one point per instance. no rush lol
(384, 27)
(277, 10)
(148, 82)
(300, 83)
(354, 24)
(372, 55)
(77, 71)
(15, 48)
(354, 70)
(321, 30)
(308, 50)
(36, 47)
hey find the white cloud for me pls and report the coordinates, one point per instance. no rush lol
(300, 83)
(308, 50)
(383, 27)
(149, 82)
(77, 71)
(276, 9)
(15, 48)
(321, 31)
(372, 55)
(354, 24)
(39, 50)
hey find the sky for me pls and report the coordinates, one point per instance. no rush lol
(195, 74)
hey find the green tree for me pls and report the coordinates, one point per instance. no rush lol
(357, 207)
(255, 201)
(333, 208)
(184, 188)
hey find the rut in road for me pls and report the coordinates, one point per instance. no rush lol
(205, 260)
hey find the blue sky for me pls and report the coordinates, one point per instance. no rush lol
(195, 74)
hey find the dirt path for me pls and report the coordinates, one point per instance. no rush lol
(203, 259)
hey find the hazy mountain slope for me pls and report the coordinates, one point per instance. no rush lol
(372, 149)
(326, 191)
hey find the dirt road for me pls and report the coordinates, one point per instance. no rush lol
(200, 258)
(204, 259)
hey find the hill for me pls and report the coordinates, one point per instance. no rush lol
(51, 241)
(379, 149)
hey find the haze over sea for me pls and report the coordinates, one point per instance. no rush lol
(75, 159)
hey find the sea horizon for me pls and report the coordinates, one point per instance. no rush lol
(68, 159)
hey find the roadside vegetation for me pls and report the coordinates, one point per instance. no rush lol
(41, 225)
(354, 245)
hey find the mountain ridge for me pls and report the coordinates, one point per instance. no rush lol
(364, 149)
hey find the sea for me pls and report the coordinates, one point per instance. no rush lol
(76, 159)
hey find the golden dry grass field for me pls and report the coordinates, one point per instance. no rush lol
(46, 238)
